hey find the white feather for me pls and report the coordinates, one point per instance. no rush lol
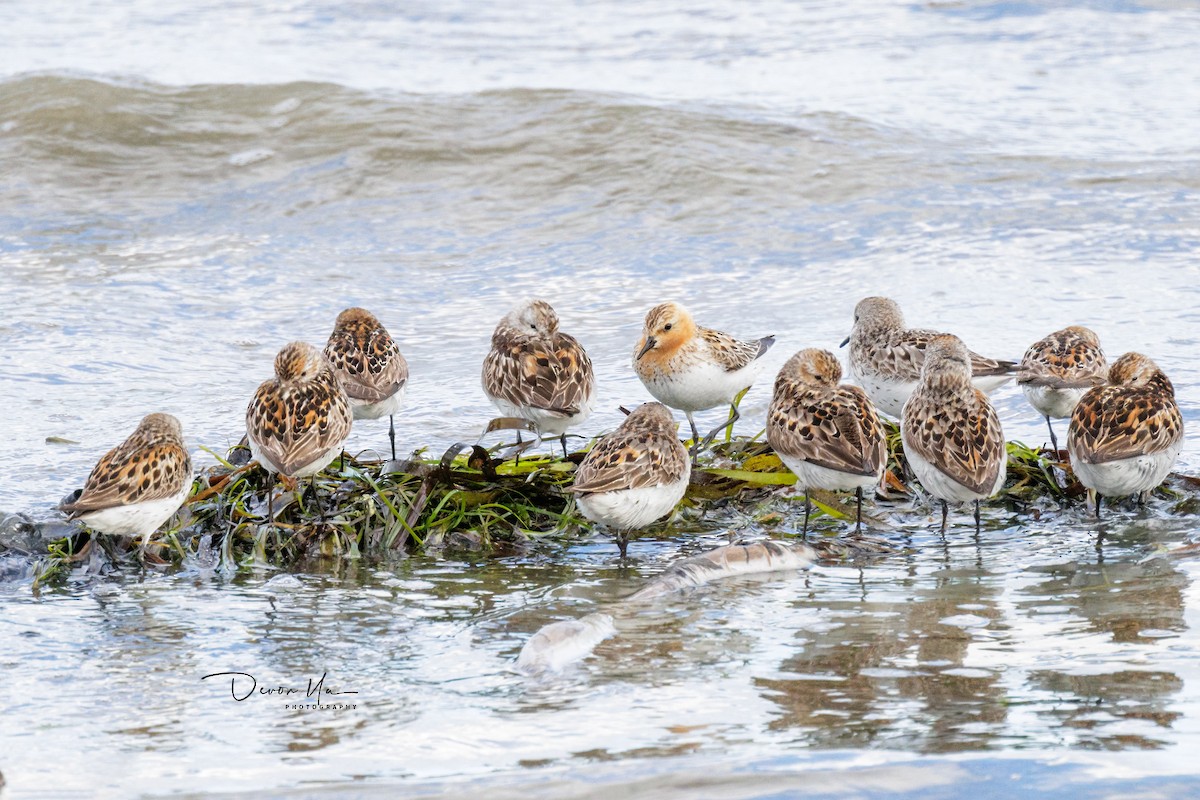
(629, 509)
(726, 562)
(560, 644)
(941, 485)
(1052, 402)
(137, 519)
(1128, 475)
(701, 384)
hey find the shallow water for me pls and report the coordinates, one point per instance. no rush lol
(186, 187)
(1028, 642)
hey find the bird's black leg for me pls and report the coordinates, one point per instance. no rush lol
(1053, 439)
(858, 525)
(392, 433)
(734, 417)
(623, 543)
(563, 439)
(807, 509)
(976, 517)
(312, 485)
(945, 512)
(695, 448)
(1098, 499)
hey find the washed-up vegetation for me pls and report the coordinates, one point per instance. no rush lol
(498, 499)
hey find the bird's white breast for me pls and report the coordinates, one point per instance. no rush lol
(941, 485)
(137, 519)
(1051, 402)
(1128, 475)
(629, 509)
(699, 384)
(888, 396)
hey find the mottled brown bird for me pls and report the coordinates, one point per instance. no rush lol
(536, 372)
(1057, 370)
(374, 374)
(634, 475)
(952, 436)
(886, 356)
(139, 484)
(1124, 437)
(300, 419)
(827, 433)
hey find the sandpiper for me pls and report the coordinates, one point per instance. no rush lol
(951, 434)
(634, 475)
(827, 434)
(886, 357)
(374, 374)
(692, 368)
(536, 372)
(1057, 370)
(138, 485)
(299, 420)
(1124, 437)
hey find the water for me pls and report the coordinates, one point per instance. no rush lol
(1031, 644)
(186, 187)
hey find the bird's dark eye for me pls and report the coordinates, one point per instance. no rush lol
(667, 327)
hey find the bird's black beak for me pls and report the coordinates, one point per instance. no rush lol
(647, 347)
(845, 342)
(624, 410)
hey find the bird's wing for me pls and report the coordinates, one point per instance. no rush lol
(963, 441)
(840, 431)
(554, 376)
(1112, 423)
(734, 354)
(630, 460)
(134, 474)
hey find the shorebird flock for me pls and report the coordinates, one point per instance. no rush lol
(1124, 435)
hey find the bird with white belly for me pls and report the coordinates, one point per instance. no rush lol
(692, 368)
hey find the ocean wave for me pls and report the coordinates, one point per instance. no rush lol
(565, 149)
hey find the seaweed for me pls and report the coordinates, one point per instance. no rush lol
(490, 500)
